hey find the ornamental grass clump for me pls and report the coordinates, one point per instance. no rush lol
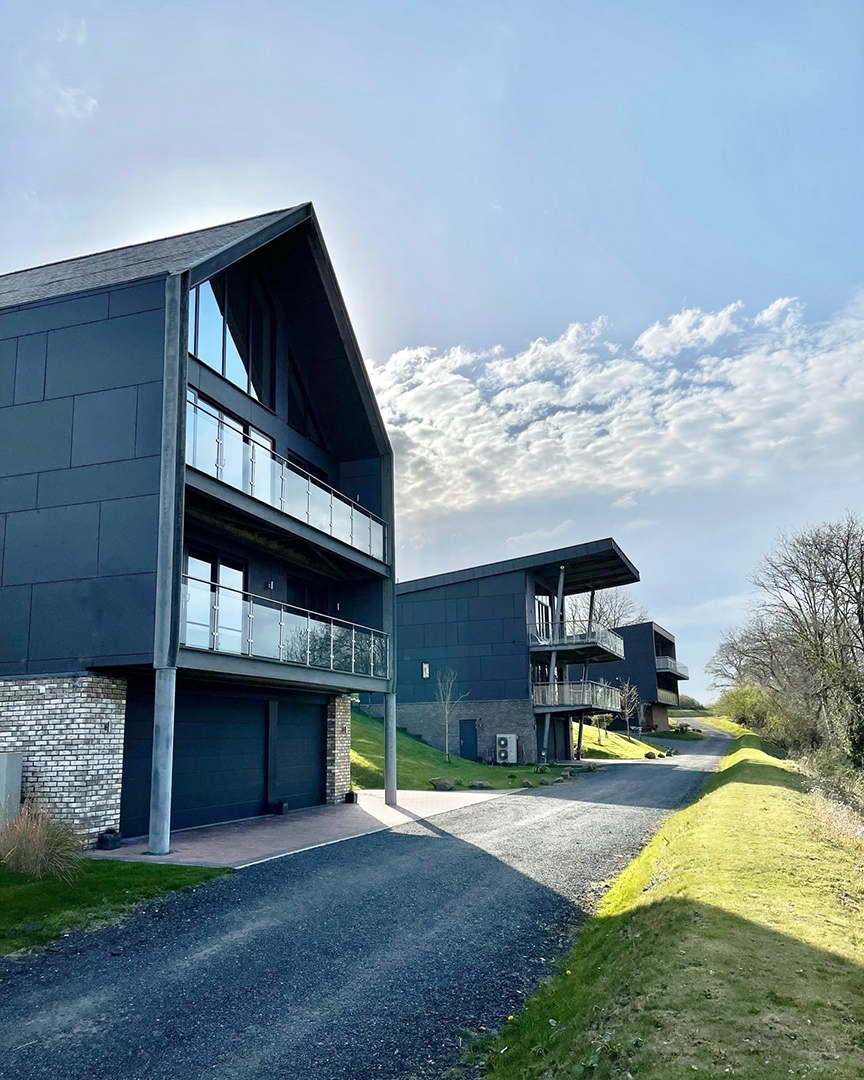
(33, 842)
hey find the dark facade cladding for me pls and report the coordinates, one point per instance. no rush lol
(481, 624)
(194, 477)
(647, 648)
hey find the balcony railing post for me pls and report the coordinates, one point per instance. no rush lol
(331, 644)
(250, 631)
(352, 649)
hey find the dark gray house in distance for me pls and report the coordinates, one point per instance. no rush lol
(652, 667)
(502, 630)
(196, 528)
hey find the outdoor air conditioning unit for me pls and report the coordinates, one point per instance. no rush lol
(505, 749)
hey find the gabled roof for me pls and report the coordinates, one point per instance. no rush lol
(172, 254)
(600, 564)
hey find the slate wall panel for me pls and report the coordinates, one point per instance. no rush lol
(104, 426)
(104, 355)
(127, 536)
(35, 437)
(30, 368)
(56, 544)
(38, 317)
(8, 353)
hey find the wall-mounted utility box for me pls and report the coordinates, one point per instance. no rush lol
(10, 783)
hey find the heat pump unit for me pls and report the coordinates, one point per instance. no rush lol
(505, 749)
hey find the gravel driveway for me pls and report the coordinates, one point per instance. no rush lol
(357, 960)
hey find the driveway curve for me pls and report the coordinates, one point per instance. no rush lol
(359, 960)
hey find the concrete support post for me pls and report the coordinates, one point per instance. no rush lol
(163, 761)
(390, 749)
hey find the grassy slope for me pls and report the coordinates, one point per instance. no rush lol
(610, 744)
(733, 946)
(417, 762)
(35, 911)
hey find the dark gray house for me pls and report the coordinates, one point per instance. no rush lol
(652, 667)
(502, 629)
(196, 498)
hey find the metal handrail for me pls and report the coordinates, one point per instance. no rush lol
(565, 636)
(576, 694)
(669, 663)
(216, 635)
(284, 464)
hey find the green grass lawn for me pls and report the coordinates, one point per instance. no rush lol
(417, 762)
(611, 744)
(35, 911)
(725, 724)
(732, 946)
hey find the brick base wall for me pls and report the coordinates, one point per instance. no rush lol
(338, 748)
(70, 731)
(513, 717)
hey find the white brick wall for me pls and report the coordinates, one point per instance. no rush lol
(70, 731)
(338, 748)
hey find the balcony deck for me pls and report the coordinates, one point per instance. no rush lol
(217, 619)
(217, 449)
(671, 666)
(574, 697)
(667, 697)
(597, 647)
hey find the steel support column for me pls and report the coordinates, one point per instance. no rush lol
(163, 762)
(390, 749)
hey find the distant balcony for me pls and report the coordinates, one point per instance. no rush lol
(577, 695)
(224, 620)
(216, 447)
(673, 666)
(560, 637)
(667, 697)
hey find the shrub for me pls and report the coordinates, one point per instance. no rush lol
(33, 842)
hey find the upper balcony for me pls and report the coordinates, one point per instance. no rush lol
(672, 666)
(219, 619)
(218, 447)
(577, 696)
(598, 646)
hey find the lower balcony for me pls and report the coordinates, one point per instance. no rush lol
(217, 619)
(577, 695)
(672, 666)
(667, 697)
(597, 646)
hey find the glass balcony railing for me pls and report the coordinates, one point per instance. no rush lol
(218, 448)
(220, 619)
(578, 695)
(667, 697)
(670, 664)
(564, 637)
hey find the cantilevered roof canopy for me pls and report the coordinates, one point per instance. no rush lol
(600, 564)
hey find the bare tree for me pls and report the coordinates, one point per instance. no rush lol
(445, 684)
(803, 642)
(631, 704)
(612, 607)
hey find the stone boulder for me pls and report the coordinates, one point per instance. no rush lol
(527, 783)
(480, 785)
(650, 754)
(441, 783)
(558, 780)
(545, 782)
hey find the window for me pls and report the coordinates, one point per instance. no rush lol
(232, 330)
(229, 449)
(215, 616)
(425, 671)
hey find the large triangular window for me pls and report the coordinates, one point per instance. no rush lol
(232, 330)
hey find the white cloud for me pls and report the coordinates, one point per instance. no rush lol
(542, 538)
(474, 429)
(771, 314)
(687, 329)
(74, 104)
(624, 502)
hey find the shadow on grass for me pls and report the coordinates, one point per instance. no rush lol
(682, 988)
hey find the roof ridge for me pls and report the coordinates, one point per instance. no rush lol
(144, 243)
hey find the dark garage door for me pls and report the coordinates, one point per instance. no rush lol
(221, 759)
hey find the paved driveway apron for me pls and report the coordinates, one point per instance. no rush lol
(357, 960)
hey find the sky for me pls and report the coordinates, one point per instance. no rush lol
(604, 260)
